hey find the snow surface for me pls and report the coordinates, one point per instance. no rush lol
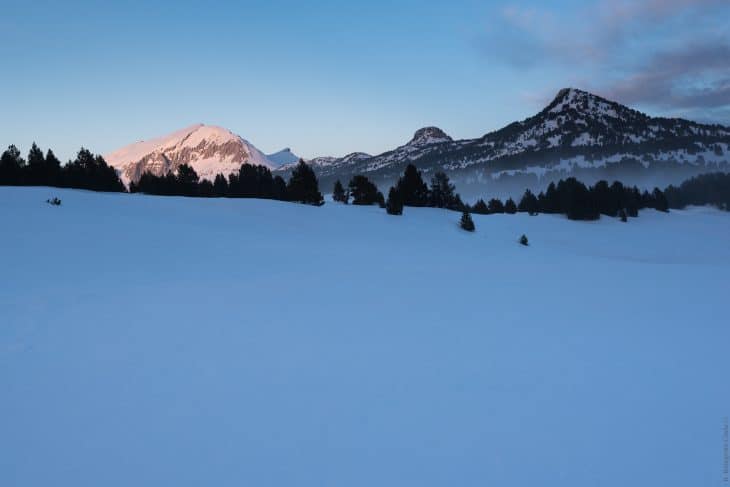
(176, 341)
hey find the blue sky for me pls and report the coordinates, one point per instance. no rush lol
(332, 77)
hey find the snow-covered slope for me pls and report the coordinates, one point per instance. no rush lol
(577, 118)
(210, 150)
(283, 157)
(153, 341)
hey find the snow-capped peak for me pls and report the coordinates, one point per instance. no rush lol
(429, 135)
(575, 102)
(355, 157)
(209, 149)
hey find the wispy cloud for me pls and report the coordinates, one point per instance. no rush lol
(695, 76)
(668, 54)
(618, 12)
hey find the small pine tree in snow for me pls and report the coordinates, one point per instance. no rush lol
(622, 215)
(339, 194)
(523, 240)
(466, 222)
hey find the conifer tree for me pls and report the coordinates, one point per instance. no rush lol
(233, 185)
(523, 240)
(187, 180)
(619, 198)
(551, 202)
(633, 202)
(604, 199)
(11, 166)
(254, 181)
(442, 192)
(90, 172)
(339, 194)
(220, 186)
(480, 207)
(529, 203)
(646, 200)
(36, 171)
(413, 190)
(576, 200)
(466, 222)
(394, 205)
(510, 206)
(279, 188)
(496, 206)
(52, 168)
(364, 192)
(205, 189)
(457, 204)
(303, 186)
(660, 200)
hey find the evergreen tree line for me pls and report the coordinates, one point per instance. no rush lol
(251, 181)
(580, 202)
(86, 171)
(89, 171)
(706, 189)
(409, 190)
(569, 196)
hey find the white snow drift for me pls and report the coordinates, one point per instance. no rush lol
(155, 341)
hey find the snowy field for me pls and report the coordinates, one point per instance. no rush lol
(152, 341)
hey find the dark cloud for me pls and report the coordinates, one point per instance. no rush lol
(695, 77)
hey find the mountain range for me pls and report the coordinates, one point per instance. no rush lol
(578, 134)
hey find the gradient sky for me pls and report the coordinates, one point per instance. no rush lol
(332, 77)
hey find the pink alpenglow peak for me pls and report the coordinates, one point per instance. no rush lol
(208, 149)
